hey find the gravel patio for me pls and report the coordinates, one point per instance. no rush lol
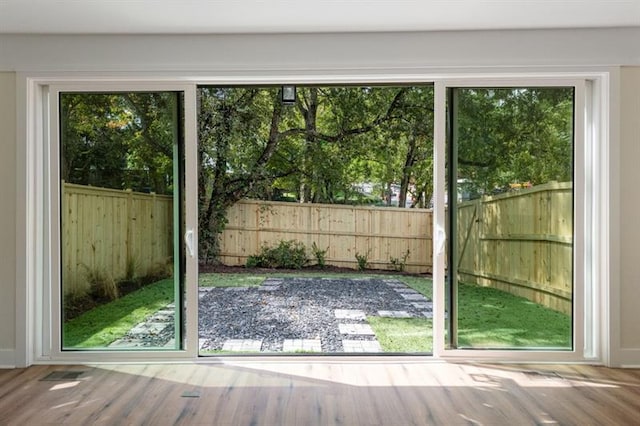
(296, 314)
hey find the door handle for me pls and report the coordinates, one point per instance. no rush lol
(441, 239)
(188, 242)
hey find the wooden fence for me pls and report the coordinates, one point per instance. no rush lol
(520, 242)
(110, 230)
(345, 231)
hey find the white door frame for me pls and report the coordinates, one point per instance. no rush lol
(34, 218)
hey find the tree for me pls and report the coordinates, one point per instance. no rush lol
(236, 153)
(518, 135)
(252, 145)
(119, 140)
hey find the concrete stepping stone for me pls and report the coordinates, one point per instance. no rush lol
(126, 343)
(268, 287)
(413, 296)
(361, 346)
(242, 345)
(302, 345)
(356, 329)
(406, 290)
(394, 314)
(423, 305)
(148, 328)
(352, 314)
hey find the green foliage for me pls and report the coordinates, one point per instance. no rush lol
(131, 268)
(119, 141)
(319, 254)
(286, 255)
(514, 135)
(160, 270)
(101, 283)
(398, 264)
(363, 260)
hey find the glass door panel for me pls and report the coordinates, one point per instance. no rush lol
(334, 182)
(120, 171)
(510, 178)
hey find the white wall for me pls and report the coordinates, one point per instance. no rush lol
(355, 51)
(7, 216)
(362, 54)
(629, 216)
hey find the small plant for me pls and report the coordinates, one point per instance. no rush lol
(398, 264)
(101, 283)
(320, 255)
(287, 254)
(363, 260)
(131, 267)
(160, 270)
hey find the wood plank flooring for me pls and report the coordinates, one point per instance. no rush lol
(321, 391)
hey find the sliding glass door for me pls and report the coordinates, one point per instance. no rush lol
(511, 215)
(120, 181)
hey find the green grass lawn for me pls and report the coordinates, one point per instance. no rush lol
(406, 335)
(107, 323)
(488, 318)
(491, 318)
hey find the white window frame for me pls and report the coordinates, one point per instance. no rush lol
(34, 245)
(585, 321)
(46, 334)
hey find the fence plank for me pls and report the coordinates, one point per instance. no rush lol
(343, 230)
(106, 228)
(523, 243)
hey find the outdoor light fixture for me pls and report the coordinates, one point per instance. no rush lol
(288, 95)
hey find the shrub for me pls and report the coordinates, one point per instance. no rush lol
(131, 268)
(363, 260)
(101, 283)
(160, 270)
(398, 264)
(320, 255)
(287, 254)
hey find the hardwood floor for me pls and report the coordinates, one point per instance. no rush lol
(325, 391)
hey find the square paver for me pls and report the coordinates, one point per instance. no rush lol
(423, 305)
(406, 290)
(413, 296)
(356, 329)
(242, 345)
(302, 345)
(361, 346)
(352, 314)
(394, 314)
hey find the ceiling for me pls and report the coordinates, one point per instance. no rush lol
(286, 16)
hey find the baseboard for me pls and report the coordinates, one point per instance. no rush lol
(7, 358)
(627, 358)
